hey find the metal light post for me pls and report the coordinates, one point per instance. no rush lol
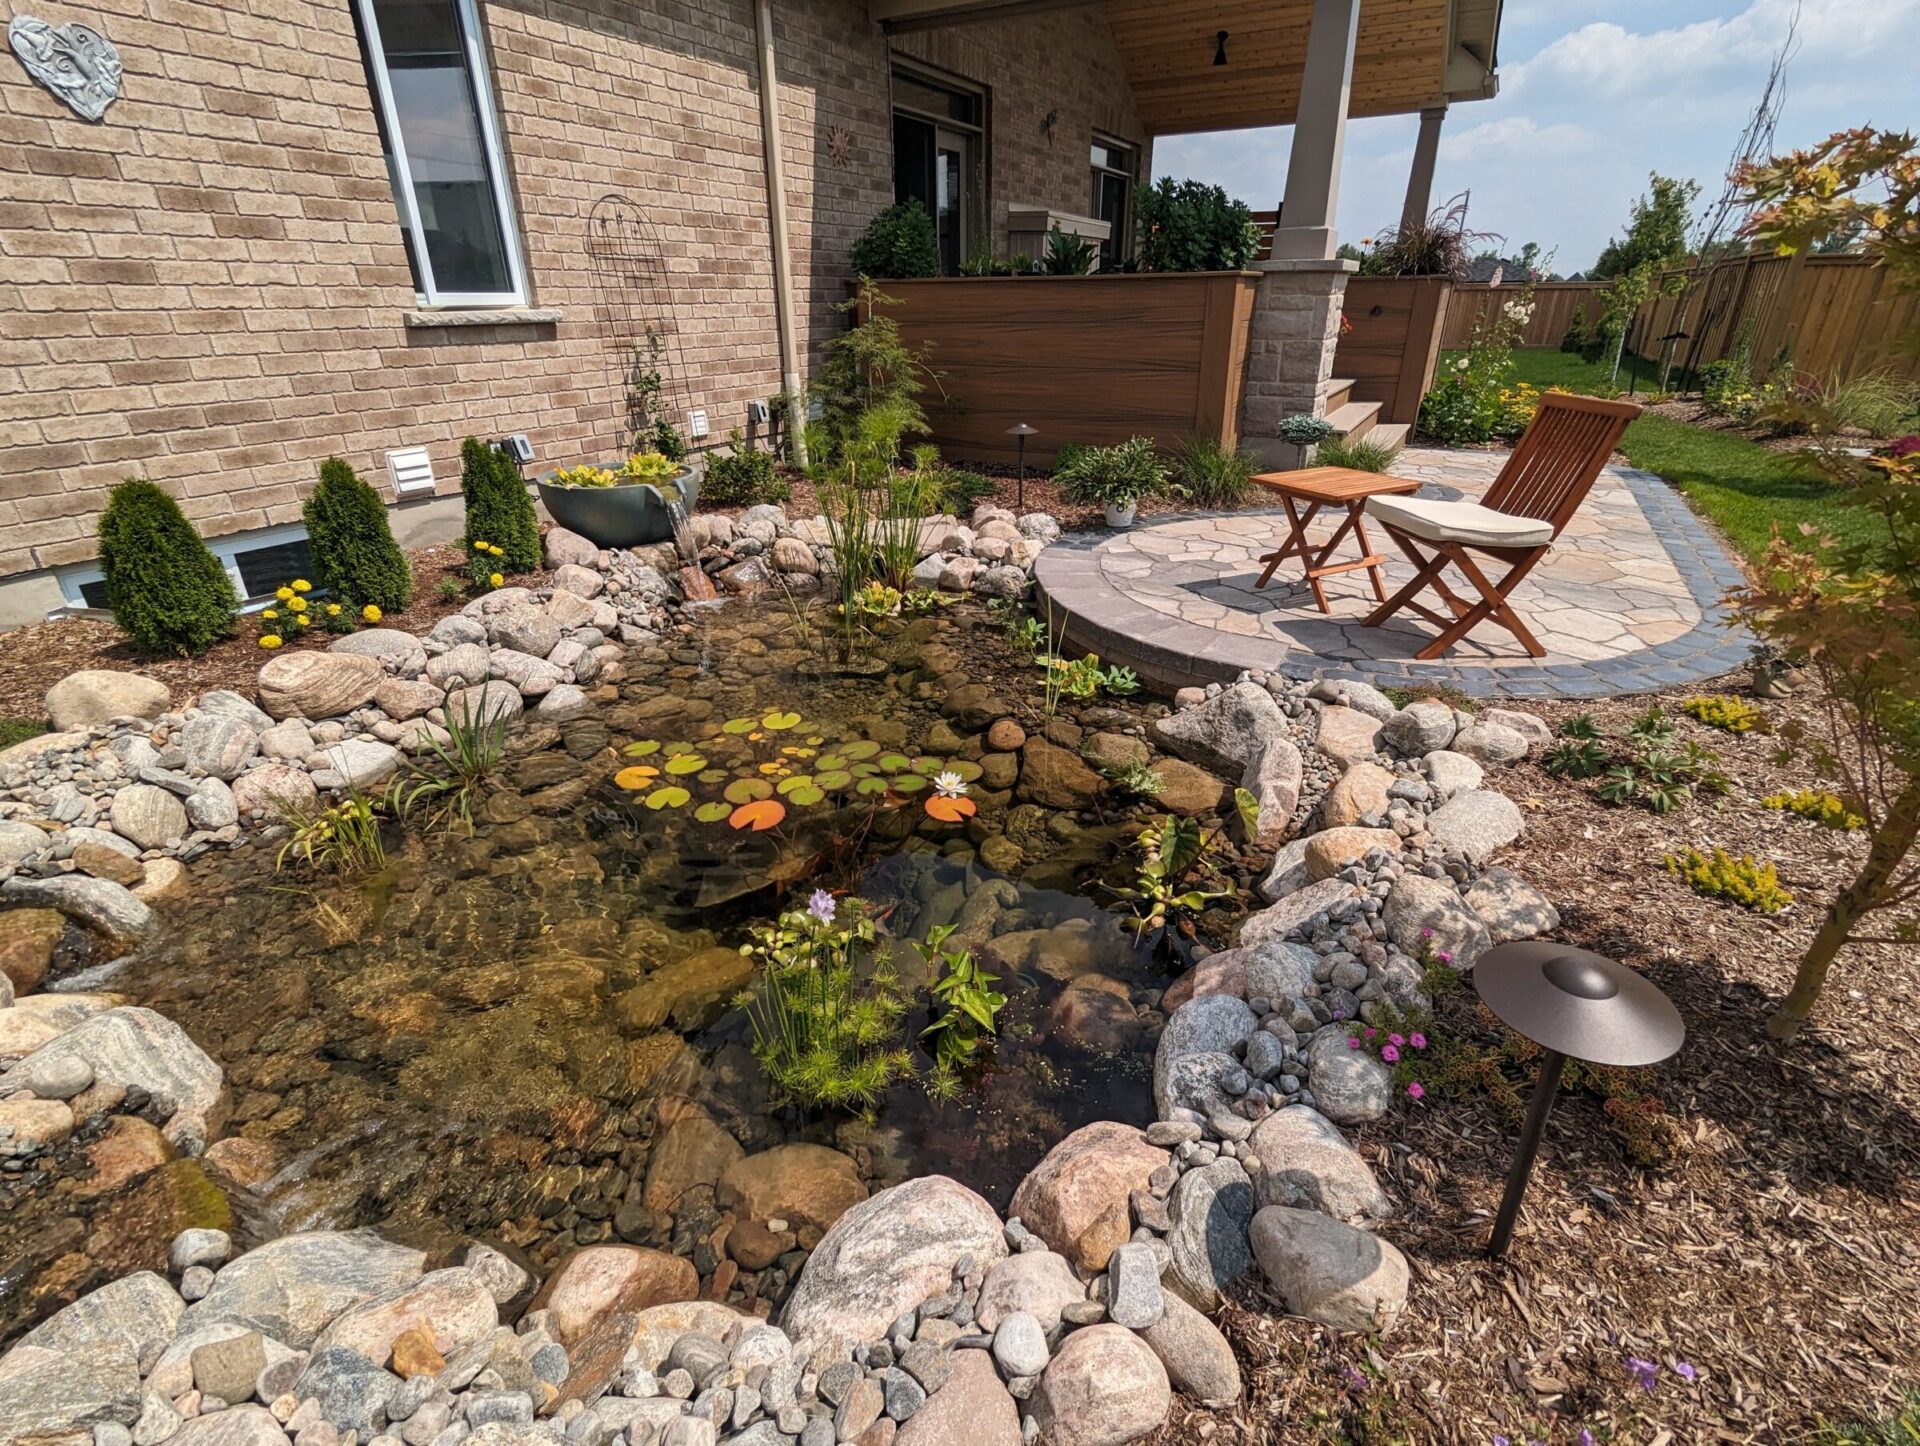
(1022, 431)
(1573, 1004)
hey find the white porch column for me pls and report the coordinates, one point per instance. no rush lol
(1307, 212)
(1426, 151)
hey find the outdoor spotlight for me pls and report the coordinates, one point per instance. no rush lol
(1022, 431)
(1220, 47)
(1572, 1003)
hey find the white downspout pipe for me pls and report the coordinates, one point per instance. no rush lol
(777, 218)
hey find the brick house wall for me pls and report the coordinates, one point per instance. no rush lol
(209, 287)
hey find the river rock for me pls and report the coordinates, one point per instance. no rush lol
(1476, 823)
(139, 1313)
(1332, 849)
(534, 677)
(20, 842)
(1055, 777)
(1428, 913)
(1075, 1199)
(464, 665)
(238, 1425)
(101, 905)
(389, 645)
(454, 1306)
(1038, 1282)
(1224, 972)
(274, 788)
(1095, 1012)
(691, 992)
(1296, 911)
(887, 1254)
(225, 703)
(1418, 729)
(1213, 1025)
(524, 630)
(1279, 970)
(1227, 732)
(1527, 725)
(364, 763)
(291, 1288)
(599, 1280)
(809, 1186)
(28, 938)
(657, 1328)
(1361, 790)
(1307, 1163)
(1451, 772)
(1274, 778)
(150, 816)
(1188, 790)
(1328, 1271)
(1198, 1359)
(29, 1126)
(55, 1395)
(317, 685)
(1210, 1208)
(972, 1409)
(565, 548)
(692, 1151)
(1490, 743)
(352, 1392)
(96, 695)
(1350, 1086)
(137, 1048)
(1347, 735)
(1104, 1387)
(404, 698)
(1510, 907)
(218, 746)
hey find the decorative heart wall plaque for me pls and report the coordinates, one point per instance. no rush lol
(74, 61)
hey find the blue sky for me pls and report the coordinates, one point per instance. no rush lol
(1593, 97)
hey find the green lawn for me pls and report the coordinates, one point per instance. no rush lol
(1744, 489)
(19, 730)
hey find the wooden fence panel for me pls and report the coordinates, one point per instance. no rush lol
(1554, 305)
(1392, 340)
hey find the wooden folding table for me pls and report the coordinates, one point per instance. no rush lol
(1318, 487)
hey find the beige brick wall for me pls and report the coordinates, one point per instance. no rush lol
(208, 288)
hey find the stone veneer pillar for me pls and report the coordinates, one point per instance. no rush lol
(1290, 344)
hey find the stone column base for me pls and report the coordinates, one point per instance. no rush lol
(1290, 345)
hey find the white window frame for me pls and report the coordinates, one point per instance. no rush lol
(482, 83)
(227, 549)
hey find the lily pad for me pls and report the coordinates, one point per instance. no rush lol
(833, 778)
(788, 785)
(672, 796)
(966, 768)
(759, 816)
(685, 763)
(746, 790)
(908, 783)
(676, 748)
(894, 762)
(712, 775)
(871, 786)
(712, 812)
(780, 722)
(636, 778)
(805, 796)
(641, 749)
(739, 725)
(860, 748)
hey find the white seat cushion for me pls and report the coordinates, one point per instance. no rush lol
(1469, 522)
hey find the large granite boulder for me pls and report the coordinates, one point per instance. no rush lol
(1104, 1387)
(1212, 1025)
(219, 746)
(1038, 1282)
(599, 1280)
(453, 1306)
(1428, 913)
(1210, 1208)
(151, 817)
(1350, 1086)
(1417, 729)
(1348, 736)
(1476, 823)
(107, 908)
(1306, 1162)
(972, 1407)
(294, 1287)
(139, 1313)
(96, 695)
(1274, 778)
(1227, 732)
(137, 1048)
(1510, 907)
(808, 1186)
(1075, 1199)
(1328, 1271)
(317, 685)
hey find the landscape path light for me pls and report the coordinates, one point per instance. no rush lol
(1022, 431)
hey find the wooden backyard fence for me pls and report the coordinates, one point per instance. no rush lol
(1554, 303)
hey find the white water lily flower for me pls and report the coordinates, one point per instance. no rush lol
(950, 785)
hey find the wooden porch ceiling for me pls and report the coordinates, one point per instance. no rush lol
(1408, 54)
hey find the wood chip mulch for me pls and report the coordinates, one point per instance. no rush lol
(1776, 1255)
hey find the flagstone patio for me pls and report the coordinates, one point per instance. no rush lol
(1627, 601)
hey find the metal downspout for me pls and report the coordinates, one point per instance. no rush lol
(777, 218)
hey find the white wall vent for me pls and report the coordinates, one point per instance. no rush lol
(697, 424)
(412, 472)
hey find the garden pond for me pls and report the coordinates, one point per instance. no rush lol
(501, 1033)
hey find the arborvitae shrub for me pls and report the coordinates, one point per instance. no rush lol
(168, 593)
(499, 511)
(354, 554)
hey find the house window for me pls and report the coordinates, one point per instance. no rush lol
(1114, 164)
(255, 562)
(939, 157)
(442, 144)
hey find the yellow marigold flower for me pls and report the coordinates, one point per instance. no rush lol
(300, 584)
(298, 605)
(285, 594)
(270, 614)
(480, 547)
(333, 610)
(497, 551)
(495, 578)
(370, 613)
(269, 640)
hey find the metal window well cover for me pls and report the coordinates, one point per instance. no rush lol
(1579, 1003)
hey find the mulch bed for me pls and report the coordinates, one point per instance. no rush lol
(33, 659)
(1777, 1253)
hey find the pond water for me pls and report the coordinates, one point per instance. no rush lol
(494, 1036)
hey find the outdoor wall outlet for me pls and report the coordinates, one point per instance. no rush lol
(519, 448)
(697, 424)
(758, 414)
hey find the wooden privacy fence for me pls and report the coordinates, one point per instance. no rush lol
(1088, 359)
(1554, 303)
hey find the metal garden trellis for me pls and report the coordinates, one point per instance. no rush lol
(637, 313)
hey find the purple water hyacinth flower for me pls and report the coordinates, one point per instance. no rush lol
(821, 906)
(1644, 1373)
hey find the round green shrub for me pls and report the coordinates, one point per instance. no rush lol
(898, 244)
(354, 554)
(499, 510)
(168, 593)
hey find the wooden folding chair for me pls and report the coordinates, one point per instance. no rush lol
(1536, 494)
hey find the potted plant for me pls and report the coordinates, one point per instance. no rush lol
(1115, 477)
(623, 505)
(1299, 435)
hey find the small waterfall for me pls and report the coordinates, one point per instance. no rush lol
(683, 542)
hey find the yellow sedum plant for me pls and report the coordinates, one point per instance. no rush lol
(1827, 809)
(1722, 876)
(1728, 714)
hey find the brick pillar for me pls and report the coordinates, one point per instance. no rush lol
(1290, 344)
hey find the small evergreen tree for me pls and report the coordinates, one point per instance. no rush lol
(168, 593)
(354, 554)
(898, 243)
(498, 508)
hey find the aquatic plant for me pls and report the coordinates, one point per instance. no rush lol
(468, 758)
(343, 837)
(649, 467)
(972, 1007)
(586, 475)
(1170, 850)
(1085, 678)
(1246, 813)
(826, 1038)
(1138, 778)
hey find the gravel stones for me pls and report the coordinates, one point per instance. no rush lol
(1420, 912)
(1075, 1199)
(1020, 1345)
(98, 695)
(1105, 1387)
(1328, 1271)
(1476, 823)
(317, 685)
(151, 817)
(1227, 732)
(1306, 1162)
(1210, 1207)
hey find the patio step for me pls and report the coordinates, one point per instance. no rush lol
(1391, 435)
(1339, 392)
(1353, 420)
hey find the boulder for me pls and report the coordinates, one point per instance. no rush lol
(1417, 729)
(272, 789)
(404, 698)
(103, 862)
(1350, 1086)
(149, 816)
(363, 763)
(389, 645)
(600, 1280)
(218, 746)
(692, 1151)
(1476, 823)
(578, 579)
(487, 703)
(1328, 1271)
(534, 677)
(1225, 733)
(1533, 729)
(1095, 1012)
(888, 1254)
(1198, 1359)
(55, 1395)
(464, 665)
(20, 842)
(564, 548)
(137, 1048)
(1274, 778)
(973, 1408)
(1363, 696)
(1221, 973)
(165, 880)
(808, 1186)
(524, 630)
(1425, 913)
(1331, 850)
(225, 703)
(1075, 1199)
(1510, 907)
(1038, 1282)
(1490, 743)
(30, 1126)
(1295, 911)
(1347, 735)
(317, 685)
(563, 702)
(1212, 1025)
(101, 905)
(1306, 1162)
(691, 992)
(453, 1307)
(291, 1288)
(1104, 1387)
(138, 1313)
(656, 1328)
(96, 695)
(1056, 777)
(1188, 790)
(211, 806)
(1278, 970)
(1287, 874)
(1361, 790)
(40, 1018)
(238, 1425)
(1451, 772)
(1210, 1208)
(27, 941)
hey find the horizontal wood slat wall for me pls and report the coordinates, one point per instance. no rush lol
(1392, 340)
(1087, 359)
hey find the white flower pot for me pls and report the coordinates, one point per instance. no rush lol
(1118, 516)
